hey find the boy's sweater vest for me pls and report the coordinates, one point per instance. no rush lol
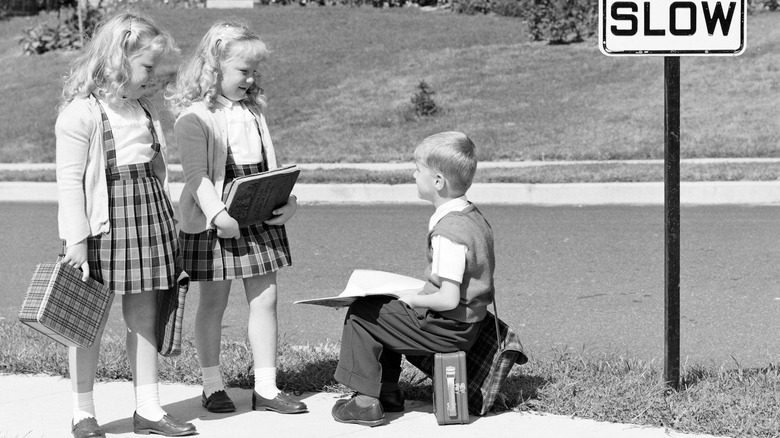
(468, 228)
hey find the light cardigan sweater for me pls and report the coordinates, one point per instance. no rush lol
(82, 190)
(201, 134)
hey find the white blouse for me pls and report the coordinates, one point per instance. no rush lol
(242, 131)
(132, 132)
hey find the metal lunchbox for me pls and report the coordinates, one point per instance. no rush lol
(450, 398)
(62, 306)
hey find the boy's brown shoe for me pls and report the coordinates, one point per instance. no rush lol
(348, 411)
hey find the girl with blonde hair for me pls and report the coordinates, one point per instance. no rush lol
(115, 215)
(222, 134)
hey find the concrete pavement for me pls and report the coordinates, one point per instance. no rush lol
(37, 406)
(691, 193)
(652, 193)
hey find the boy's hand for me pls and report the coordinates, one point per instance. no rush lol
(409, 299)
(446, 298)
(285, 212)
(76, 256)
(227, 227)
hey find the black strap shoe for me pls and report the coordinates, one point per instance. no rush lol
(87, 428)
(167, 426)
(218, 402)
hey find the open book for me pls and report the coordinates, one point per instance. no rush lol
(252, 199)
(365, 282)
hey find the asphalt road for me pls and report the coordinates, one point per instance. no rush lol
(579, 278)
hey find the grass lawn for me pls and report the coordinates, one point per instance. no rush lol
(339, 83)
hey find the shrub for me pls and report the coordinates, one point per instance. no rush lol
(770, 5)
(562, 21)
(424, 106)
(43, 37)
(556, 21)
(471, 7)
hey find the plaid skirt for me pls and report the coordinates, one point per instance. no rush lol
(139, 251)
(259, 250)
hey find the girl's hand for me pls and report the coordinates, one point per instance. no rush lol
(76, 256)
(227, 227)
(285, 212)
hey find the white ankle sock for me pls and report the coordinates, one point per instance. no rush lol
(265, 382)
(83, 406)
(212, 380)
(147, 402)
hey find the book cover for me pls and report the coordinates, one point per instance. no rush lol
(365, 282)
(252, 199)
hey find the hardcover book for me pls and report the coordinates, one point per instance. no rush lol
(365, 282)
(252, 199)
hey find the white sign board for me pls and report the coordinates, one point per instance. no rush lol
(672, 27)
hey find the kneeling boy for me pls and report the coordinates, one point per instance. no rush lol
(444, 317)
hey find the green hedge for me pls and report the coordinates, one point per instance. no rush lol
(561, 21)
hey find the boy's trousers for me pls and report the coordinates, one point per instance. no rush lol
(378, 330)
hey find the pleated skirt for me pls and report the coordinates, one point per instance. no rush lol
(259, 250)
(139, 252)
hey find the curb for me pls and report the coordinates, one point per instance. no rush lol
(408, 165)
(691, 193)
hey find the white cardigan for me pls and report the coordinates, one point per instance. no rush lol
(200, 135)
(82, 190)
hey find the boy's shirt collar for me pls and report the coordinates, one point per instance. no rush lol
(457, 204)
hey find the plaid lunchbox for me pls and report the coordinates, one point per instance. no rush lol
(488, 363)
(170, 316)
(62, 306)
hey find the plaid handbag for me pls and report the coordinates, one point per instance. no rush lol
(170, 316)
(488, 363)
(62, 306)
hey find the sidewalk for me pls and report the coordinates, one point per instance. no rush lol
(691, 193)
(40, 406)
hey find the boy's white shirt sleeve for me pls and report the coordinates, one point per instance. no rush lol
(448, 259)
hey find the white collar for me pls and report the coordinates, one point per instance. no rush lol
(224, 101)
(457, 204)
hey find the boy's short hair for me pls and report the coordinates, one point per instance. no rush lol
(451, 153)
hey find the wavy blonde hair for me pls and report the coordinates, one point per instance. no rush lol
(199, 77)
(103, 67)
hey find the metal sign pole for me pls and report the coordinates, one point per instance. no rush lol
(672, 221)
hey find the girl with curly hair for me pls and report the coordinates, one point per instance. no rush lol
(222, 134)
(115, 216)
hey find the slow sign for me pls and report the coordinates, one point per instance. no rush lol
(672, 27)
